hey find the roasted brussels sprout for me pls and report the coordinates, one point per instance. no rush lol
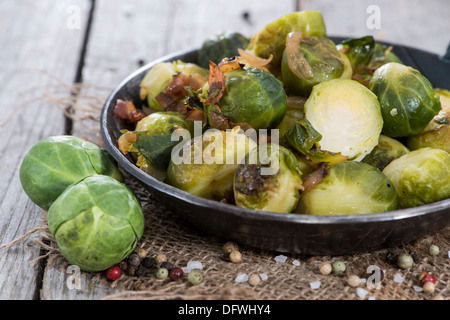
(347, 188)
(359, 51)
(272, 39)
(308, 61)
(276, 191)
(347, 116)
(96, 222)
(420, 177)
(252, 96)
(158, 78)
(220, 46)
(151, 143)
(408, 101)
(437, 133)
(385, 151)
(205, 165)
(56, 162)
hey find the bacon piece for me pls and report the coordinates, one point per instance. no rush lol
(253, 61)
(216, 84)
(127, 111)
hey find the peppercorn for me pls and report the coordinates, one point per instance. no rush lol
(176, 273)
(134, 260)
(165, 264)
(254, 280)
(235, 256)
(131, 270)
(123, 265)
(353, 281)
(429, 287)
(142, 253)
(426, 277)
(405, 261)
(195, 276)
(338, 267)
(325, 268)
(113, 273)
(160, 257)
(229, 247)
(434, 250)
(414, 256)
(141, 271)
(148, 262)
(162, 273)
(391, 257)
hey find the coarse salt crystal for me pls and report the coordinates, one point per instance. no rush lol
(362, 280)
(361, 292)
(195, 265)
(280, 258)
(418, 289)
(398, 278)
(371, 298)
(241, 277)
(296, 263)
(263, 276)
(449, 254)
(394, 112)
(315, 285)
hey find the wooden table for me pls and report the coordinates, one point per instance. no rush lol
(52, 44)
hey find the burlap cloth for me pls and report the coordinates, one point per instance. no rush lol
(166, 232)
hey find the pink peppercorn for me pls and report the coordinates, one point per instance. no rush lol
(175, 273)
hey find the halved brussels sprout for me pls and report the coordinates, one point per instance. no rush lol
(277, 190)
(311, 61)
(205, 165)
(151, 143)
(96, 222)
(437, 133)
(349, 188)
(252, 96)
(420, 177)
(157, 79)
(220, 46)
(56, 162)
(347, 116)
(272, 39)
(408, 101)
(385, 151)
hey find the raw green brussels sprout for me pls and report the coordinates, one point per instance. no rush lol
(157, 79)
(437, 132)
(96, 222)
(205, 165)
(252, 96)
(294, 113)
(408, 101)
(385, 151)
(420, 177)
(347, 116)
(315, 60)
(220, 46)
(152, 141)
(56, 162)
(350, 187)
(272, 39)
(277, 190)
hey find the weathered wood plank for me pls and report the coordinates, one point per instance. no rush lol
(126, 35)
(35, 36)
(420, 24)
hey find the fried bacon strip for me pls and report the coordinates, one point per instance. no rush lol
(315, 178)
(127, 111)
(216, 84)
(176, 89)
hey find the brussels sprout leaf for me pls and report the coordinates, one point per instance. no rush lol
(305, 139)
